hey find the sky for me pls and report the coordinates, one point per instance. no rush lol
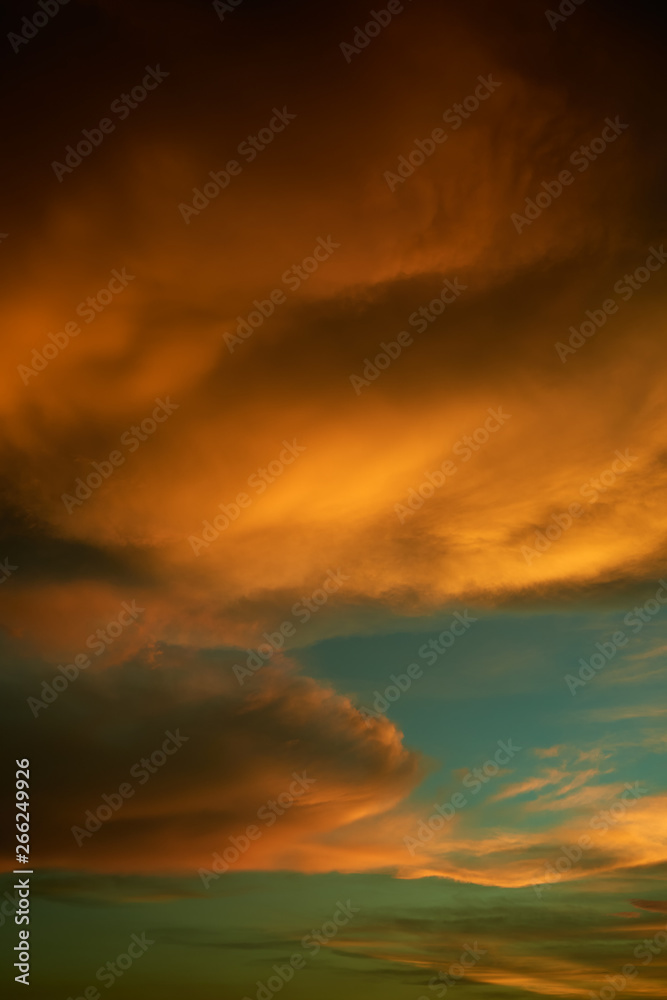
(333, 608)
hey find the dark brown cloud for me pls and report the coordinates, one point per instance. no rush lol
(230, 753)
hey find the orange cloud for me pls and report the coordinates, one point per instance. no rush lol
(493, 347)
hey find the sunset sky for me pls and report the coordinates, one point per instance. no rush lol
(333, 427)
